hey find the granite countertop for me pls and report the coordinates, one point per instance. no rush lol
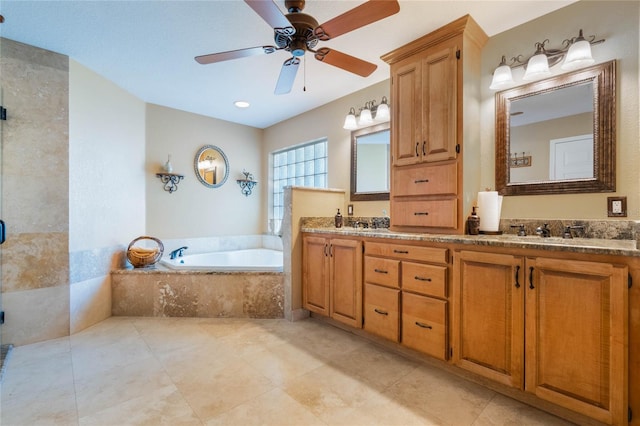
(576, 245)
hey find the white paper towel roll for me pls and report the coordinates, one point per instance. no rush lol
(489, 206)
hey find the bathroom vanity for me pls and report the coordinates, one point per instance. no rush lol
(546, 319)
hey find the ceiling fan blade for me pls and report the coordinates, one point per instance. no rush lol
(287, 76)
(270, 12)
(344, 61)
(234, 54)
(359, 16)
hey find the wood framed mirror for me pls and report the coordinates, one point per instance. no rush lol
(370, 163)
(211, 166)
(558, 135)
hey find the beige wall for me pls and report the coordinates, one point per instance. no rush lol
(326, 121)
(195, 210)
(106, 187)
(618, 22)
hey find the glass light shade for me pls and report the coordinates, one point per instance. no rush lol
(502, 78)
(578, 56)
(365, 117)
(537, 67)
(350, 122)
(382, 113)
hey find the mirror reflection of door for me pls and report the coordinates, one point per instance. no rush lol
(211, 166)
(571, 158)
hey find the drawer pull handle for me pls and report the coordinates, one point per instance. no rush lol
(531, 278)
(421, 213)
(378, 311)
(417, 145)
(424, 146)
(421, 278)
(400, 251)
(517, 276)
(421, 325)
(421, 181)
(380, 271)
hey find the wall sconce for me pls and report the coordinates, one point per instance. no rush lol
(522, 161)
(246, 184)
(368, 114)
(170, 180)
(576, 53)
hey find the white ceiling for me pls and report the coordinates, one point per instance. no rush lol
(147, 47)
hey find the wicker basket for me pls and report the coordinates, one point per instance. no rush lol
(144, 257)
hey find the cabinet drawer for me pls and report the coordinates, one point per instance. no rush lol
(424, 324)
(425, 180)
(381, 311)
(407, 252)
(431, 213)
(430, 280)
(382, 271)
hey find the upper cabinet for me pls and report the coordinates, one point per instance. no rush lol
(424, 114)
(435, 155)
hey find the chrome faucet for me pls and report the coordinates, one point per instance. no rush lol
(179, 252)
(543, 231)
(521, 230)
(567, 230)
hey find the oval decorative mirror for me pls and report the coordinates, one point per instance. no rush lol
(211, 166)
(558, 135)
(370, 163)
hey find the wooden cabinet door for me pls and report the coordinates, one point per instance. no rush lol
(488, 317)
(406, 132)
(439, 103)
(315, 278)
(346, 281)
(576, 334)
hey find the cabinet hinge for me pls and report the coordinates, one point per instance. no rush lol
(3, 113)
(458, 54)
(629, 281)
(450, 352)
(629, 415)
(457, 148)
(1, 317)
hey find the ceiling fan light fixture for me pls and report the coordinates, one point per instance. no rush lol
(242, 104)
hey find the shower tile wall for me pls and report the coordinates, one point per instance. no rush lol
(35, 188)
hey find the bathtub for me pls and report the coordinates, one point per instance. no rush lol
(259, 259)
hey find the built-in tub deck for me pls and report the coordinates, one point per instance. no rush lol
(162, 292)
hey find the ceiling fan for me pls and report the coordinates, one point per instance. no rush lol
(297, 33)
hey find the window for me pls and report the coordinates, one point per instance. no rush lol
(302, 165)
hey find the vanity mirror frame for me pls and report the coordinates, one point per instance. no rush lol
(603, 77)
(199, 175)
(366, 196)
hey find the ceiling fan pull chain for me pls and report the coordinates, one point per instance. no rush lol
(304, 76)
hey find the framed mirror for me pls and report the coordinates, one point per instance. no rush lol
(558, 135)
(370, 163)
(211, 166)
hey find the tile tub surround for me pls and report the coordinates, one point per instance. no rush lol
(160, 292)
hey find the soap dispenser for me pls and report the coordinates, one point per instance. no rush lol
(473, 222)
(338, 219)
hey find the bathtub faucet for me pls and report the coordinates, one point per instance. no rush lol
(177, 252)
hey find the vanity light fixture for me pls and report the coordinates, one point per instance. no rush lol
(368, 114)
(576, 53)
(246, 184)
(521, 161)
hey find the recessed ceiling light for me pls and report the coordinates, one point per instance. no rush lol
(241, 104)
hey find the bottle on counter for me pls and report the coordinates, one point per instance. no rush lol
(473, 222)
(338, 219)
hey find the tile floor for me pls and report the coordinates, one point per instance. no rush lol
(178, 371)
